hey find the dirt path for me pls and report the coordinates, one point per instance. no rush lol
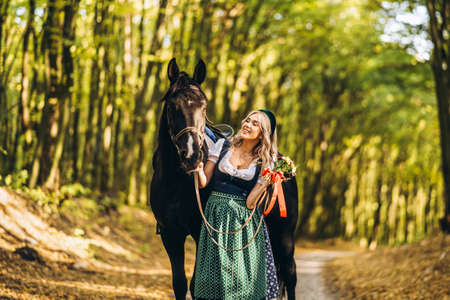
(310, 284)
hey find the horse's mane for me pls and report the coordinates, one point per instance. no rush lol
(163, 142)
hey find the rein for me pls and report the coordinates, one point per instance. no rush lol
(209, 226)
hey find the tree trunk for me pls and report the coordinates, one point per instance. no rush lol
(118, 183)
(106, 172)
(23, 120)
(376, 223)
(128, 26)
(3, 105)
(94, 83)
(90, 151)
(441, 70)
(49, 127)
(66, 84)
(76, 135)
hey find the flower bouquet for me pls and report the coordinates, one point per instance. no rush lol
(285, 165)
(283, 170)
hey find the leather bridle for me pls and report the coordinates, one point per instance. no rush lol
(189, 129)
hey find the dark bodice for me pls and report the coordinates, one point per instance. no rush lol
(226, 183)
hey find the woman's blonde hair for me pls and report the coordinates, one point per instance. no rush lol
(266, 149)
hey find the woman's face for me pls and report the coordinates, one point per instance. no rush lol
(250, 129)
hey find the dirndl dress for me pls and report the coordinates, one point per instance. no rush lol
(225, 274)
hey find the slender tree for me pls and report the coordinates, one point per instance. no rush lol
(49, 126)
(439, 13)
(23, 120)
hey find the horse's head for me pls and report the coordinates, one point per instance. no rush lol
(185, 108)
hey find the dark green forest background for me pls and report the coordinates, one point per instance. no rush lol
(361, 110)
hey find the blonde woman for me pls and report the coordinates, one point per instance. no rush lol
(233, 171)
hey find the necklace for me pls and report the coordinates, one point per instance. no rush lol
(240, 159)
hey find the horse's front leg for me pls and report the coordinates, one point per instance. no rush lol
(173, 241)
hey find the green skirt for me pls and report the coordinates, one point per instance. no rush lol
(222, 274)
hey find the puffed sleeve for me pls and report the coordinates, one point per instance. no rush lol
(214, 151)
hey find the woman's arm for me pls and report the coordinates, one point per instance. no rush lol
(255, 193)
(205, 173)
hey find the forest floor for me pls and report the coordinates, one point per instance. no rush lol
(419, 270)
(83, 253)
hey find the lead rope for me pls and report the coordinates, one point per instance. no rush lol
(208, 226)
(197, 194)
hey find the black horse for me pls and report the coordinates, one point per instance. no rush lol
(181, 148)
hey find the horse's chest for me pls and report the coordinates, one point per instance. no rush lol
(176, 206)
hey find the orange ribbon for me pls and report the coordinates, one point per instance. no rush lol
(277, 178)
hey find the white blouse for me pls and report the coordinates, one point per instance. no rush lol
(225, 166)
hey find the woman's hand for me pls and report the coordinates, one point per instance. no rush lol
(253, 198)
(202, 180)
(199, 167)
(205, 173)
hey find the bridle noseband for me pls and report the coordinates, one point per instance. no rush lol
(186, 130)
(189, 129)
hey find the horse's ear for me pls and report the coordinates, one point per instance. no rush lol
(172, 70)
(200, 72)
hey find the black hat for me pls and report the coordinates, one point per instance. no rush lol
(273, 121)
